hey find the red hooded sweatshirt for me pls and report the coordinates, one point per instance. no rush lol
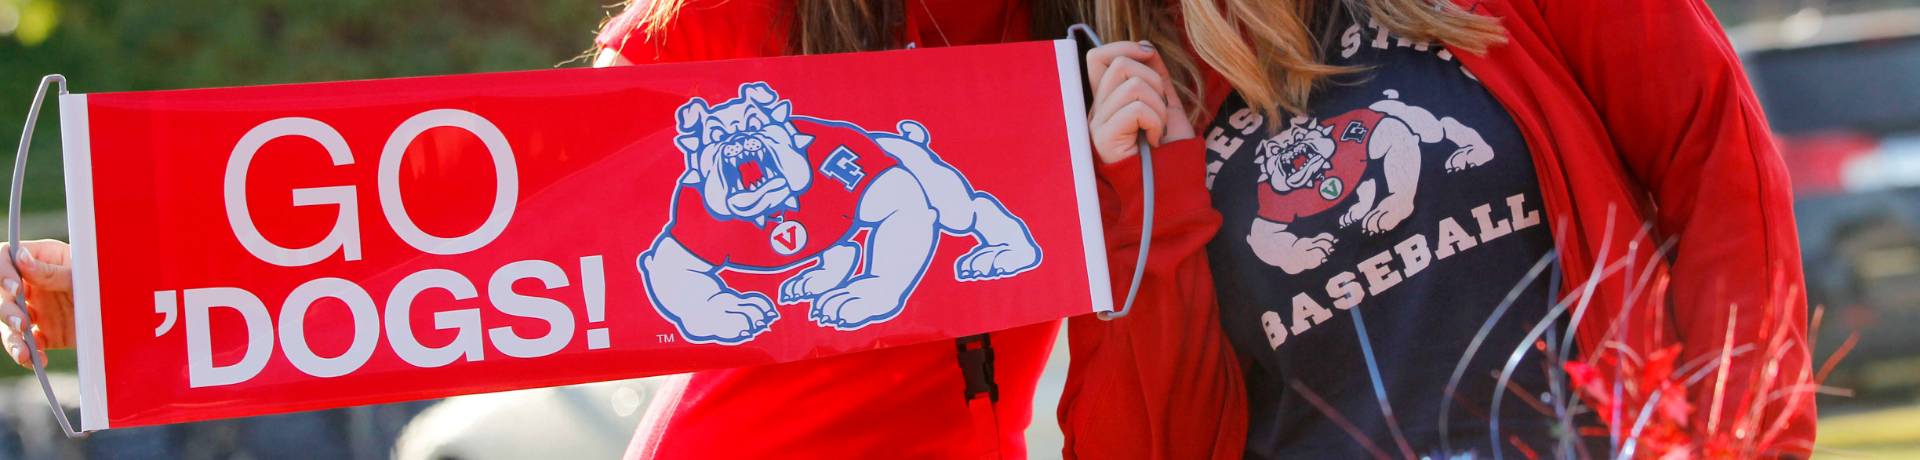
(1638, 112)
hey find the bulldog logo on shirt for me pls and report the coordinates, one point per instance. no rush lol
(767, 191)
(1316, 165)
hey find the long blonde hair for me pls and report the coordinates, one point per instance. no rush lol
(1269, 50)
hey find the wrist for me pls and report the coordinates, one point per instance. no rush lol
(1177, 131)
(1176, 136)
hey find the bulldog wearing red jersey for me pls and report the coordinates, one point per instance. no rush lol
(767, 191)
(1316, 165)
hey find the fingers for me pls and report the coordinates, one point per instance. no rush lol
(16, 342)
(1117, 141)
(1132, 94)
(42, 264)
(15, 326)
(8, 273)
(1123, 79)
(15, 319)
(49, 251)
(17, 349)
(1124, 70)
(1135, 117)
(45, 276)
(1129, 94)
(1128, 107)
(1101, 59)
(1098, 59)
(45, 265)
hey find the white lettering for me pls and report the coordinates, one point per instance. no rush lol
(1414, 254)
(1490, 228)
(556, 314)
(1307, 313)
(1523, 218)
(201, 372)
(399, 320)
(293, 331)
(1453, 239)
(1379, 277)
(345, 235)
(1222, 144)
(1346, 292)
(1245, 120)
(1350, 41)
(1276, 334)
(506, 175)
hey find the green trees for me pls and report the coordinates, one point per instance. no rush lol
(123, 45)
(127, 45)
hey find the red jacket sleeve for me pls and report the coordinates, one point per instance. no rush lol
(1161, 382)
(1680, 112)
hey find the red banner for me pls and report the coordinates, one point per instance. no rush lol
(245, 251)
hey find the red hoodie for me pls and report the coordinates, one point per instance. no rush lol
(1161, 383)
(1638, 112)
(1638, 115)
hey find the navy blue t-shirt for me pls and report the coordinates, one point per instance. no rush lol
(1406, 201)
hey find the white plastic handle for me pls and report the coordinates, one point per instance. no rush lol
(1146, 199)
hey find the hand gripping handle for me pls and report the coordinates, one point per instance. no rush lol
(13, 251)
(1146, 200)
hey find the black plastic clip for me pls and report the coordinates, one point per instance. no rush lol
(976, 366)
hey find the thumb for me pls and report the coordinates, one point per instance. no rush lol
(44, 275)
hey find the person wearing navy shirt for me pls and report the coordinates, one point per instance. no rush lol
(1365, 242)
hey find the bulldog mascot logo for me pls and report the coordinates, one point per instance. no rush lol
(1317, 165)
(769, 192)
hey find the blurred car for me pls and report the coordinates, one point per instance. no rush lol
(1843, 93)
(582, 421)
(28, 431)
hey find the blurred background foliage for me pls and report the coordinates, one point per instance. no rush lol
(108, 45)
(113, 45)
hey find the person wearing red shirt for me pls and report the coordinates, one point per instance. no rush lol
(1157, 384)
(1160, 383)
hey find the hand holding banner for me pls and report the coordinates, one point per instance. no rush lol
(255, 250)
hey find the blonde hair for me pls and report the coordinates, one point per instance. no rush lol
(1268, 50)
